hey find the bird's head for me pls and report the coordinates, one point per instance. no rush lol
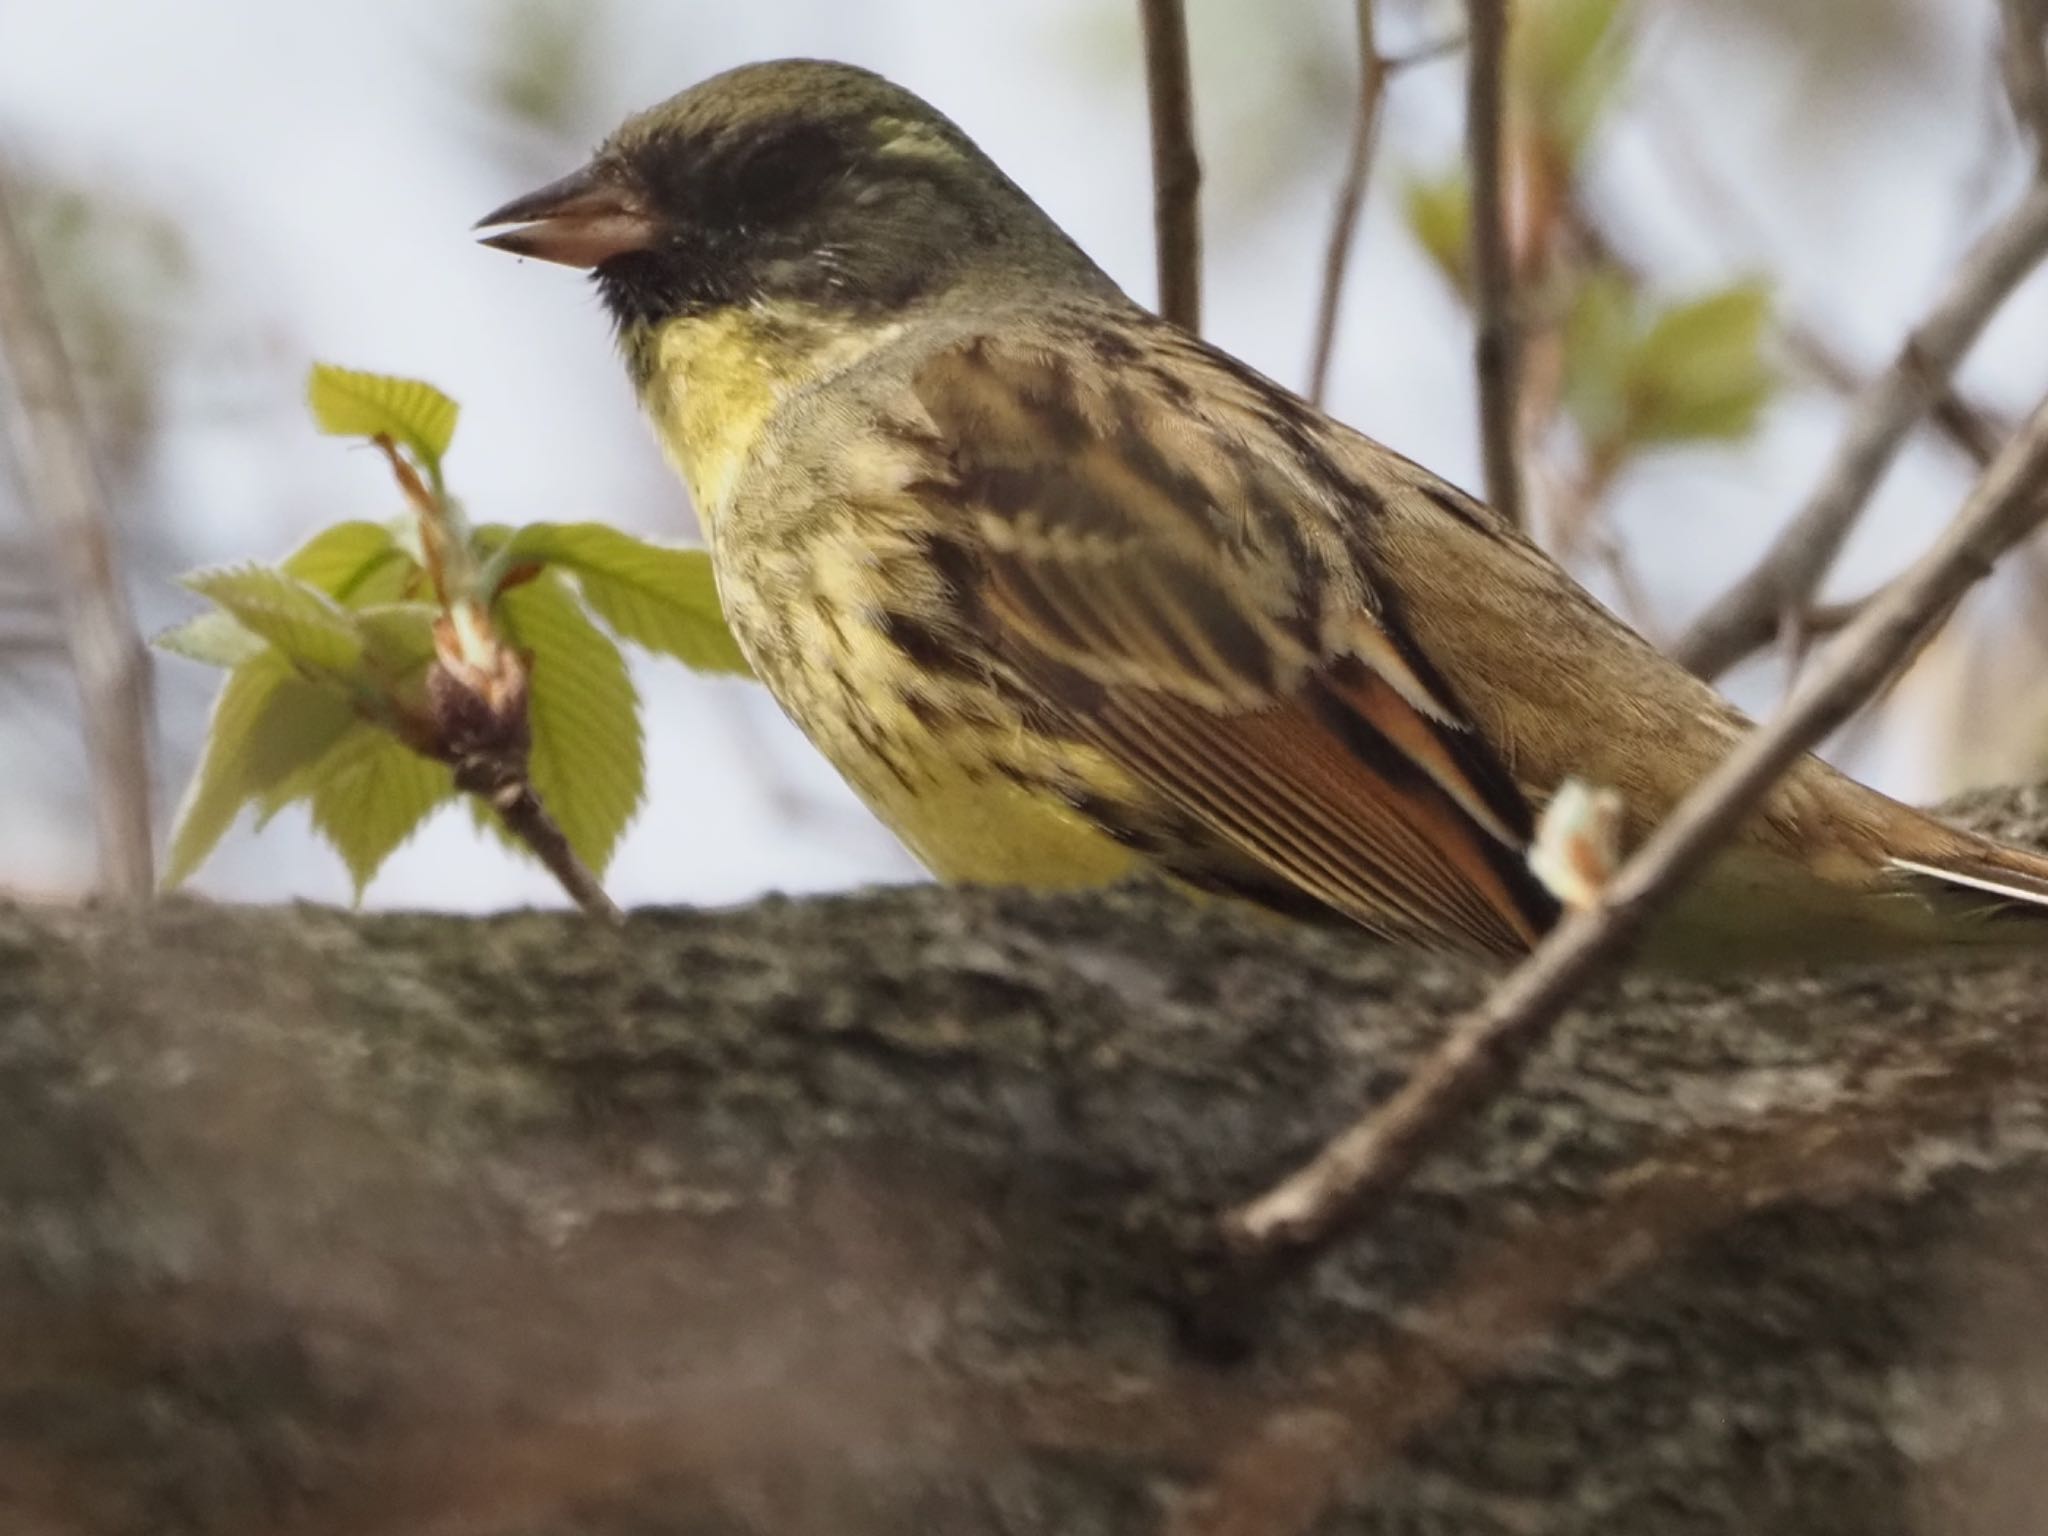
(799, 185)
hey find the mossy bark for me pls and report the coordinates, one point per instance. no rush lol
(874, 1215)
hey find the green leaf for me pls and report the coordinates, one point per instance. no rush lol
(370, 794)
(267, 724)
(1600, 342)
(1694, 373)
(217, 792)
(587, 764)
(1565, 60)
(299, 619)
(659, 596)
(302, 723)
(1701, 373)
(339, 559)
(398, 638)
(1439, 214)
(213, 638)
(408, 411)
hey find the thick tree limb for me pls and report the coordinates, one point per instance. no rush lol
(1879, 423)
(1496, 313)
(1176, 168)
(864, 1216)
(1484, 1048)
(61, 483)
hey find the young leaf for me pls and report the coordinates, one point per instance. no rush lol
(1701, 369)
(300, 620)
(1565, 61)
(398, 638)
(212, 638)
(341, 558)
(302, 723)
(586, 763)
(408, 411)
(217, 792)
(370, 794)
(267, 724)
(1439, 215)
(1600, 341)
(659, 596)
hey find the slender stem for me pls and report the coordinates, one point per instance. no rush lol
(1496, 344)
(2025, 59)
(1879, 424)
(1972, 429)
(527, 819)
(64, 489)
(485, 743)
(1305, 1211)
(1365, 127)
(1176, 169)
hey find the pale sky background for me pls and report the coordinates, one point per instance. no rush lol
(325, 162)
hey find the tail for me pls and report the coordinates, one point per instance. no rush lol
(2012, 883)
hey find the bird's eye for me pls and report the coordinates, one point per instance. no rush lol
(782, 174)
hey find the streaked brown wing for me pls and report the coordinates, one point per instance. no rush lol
(1157, 569)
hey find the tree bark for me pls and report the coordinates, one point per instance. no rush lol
(888, 1213)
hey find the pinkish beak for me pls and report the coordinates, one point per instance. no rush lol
(579, 221)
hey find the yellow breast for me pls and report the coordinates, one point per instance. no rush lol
(944, 763)
(803, 594)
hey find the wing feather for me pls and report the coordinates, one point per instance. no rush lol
(1132, 575)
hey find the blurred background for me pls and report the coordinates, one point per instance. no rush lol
(1731, 211)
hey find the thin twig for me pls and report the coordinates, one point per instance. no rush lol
(1311, 1206)
(1496, 341)
(25, 640)
(1970, 427)
(520, 809)
(481, 733)
(63, 487)
(476, 722)
(1365, 128)
(1176, 169)
(1879, 424)
(2024, 58)
(1426, 53)
(478, 691)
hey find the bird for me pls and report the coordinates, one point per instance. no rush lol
(1069, 595)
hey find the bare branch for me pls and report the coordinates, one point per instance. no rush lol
(27, 641)
(1484, 1048)
(1497, 341)
(1176, 169)
(1968, 426)
(2025, 61)
(519, 808)
(62, 485)
(1365, 128)
(1972, 428)
(477, 723)
(1878, 428)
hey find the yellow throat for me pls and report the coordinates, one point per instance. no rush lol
(711, 384)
